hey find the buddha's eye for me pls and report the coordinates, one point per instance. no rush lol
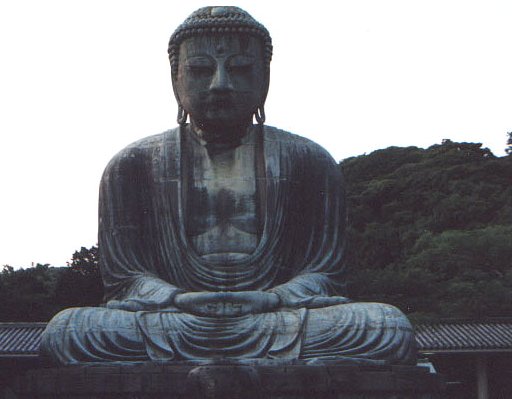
(200, 65)
(240, 63)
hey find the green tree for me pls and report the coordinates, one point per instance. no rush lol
(38, 293)
(469, 272)
(86, 261)
(27, 294)
(80, 283)
(410, 211)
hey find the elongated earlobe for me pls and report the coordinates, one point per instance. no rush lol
(182, 115)
(259, 114)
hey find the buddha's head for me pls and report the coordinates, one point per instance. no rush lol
(220, 65)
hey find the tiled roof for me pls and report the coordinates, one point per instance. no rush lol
(452, 336)
(20, 338)
(445, 336)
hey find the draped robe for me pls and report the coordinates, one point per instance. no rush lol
(143, 244)
(142, 221)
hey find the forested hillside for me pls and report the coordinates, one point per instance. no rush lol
(37, 293)
(429, 230)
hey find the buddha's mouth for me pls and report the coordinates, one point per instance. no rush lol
(220, 102)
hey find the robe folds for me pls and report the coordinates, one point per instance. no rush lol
(144, 244)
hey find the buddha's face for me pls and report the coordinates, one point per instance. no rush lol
(221, 80)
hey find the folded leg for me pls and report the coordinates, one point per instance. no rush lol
(369, 332)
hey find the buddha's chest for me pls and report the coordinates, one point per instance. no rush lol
(222, 210)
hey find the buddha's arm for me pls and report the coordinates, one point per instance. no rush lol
(146, 293)
(316, 210)
(129, 267)
(310, 290)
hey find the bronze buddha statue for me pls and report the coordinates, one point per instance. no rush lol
(222, 238)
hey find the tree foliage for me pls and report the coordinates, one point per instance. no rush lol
(37, 293)
(27, 294)
(430, 229)
(80, 284)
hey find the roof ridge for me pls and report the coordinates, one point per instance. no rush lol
(488, 320)
(24, 324)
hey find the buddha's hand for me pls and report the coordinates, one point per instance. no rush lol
(226, 304)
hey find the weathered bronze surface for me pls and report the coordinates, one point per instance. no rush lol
(224, 239)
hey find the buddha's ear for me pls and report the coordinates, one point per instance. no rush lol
(174, 63)
(259, 113)
(182, 113)
(265, 86)
(174, 82)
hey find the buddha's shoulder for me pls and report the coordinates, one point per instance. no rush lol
(297, 142)
(149, 146)
(146, 146)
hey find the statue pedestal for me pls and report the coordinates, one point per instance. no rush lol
(261, 380)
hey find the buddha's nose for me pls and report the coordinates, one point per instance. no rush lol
(221, 80)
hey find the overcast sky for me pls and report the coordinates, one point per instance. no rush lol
(81, 79)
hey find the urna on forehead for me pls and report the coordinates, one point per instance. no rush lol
(219, 20)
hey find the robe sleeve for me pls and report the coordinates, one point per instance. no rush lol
(127, 261)
(303, 289)
(315, 203)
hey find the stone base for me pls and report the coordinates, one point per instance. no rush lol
(228, 381)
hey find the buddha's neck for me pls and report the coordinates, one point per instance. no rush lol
(224, 137)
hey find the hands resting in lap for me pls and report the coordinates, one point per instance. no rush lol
(221, 304)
